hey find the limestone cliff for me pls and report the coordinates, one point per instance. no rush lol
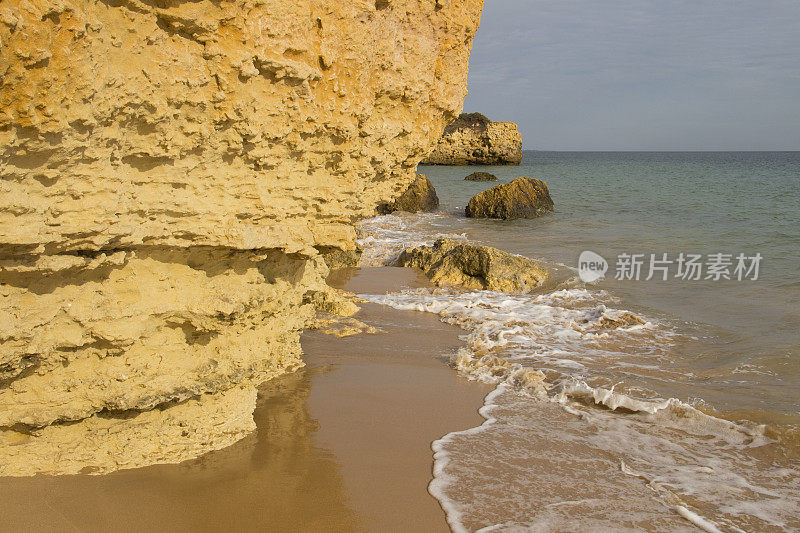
(473, 139)
(170, 173)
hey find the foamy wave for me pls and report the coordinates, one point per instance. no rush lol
(579, 390)
(545, 348)
(566, 329)
(384, 237)
(697, 466)
(546, 345)
(573, 393)
(696, 519)
(557, 359)
(517, 339)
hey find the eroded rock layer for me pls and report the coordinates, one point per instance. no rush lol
(170, 174)
(473, 139)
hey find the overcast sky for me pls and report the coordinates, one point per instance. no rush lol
(641, 75)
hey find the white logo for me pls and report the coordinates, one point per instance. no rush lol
(591, 267)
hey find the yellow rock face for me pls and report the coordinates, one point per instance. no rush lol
(169, 173)
(473, 139)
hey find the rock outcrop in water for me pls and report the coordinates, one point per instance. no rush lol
(473, 139)
(420, 196)
(522, 198)
(472, 266)
(171, 173)
(481, 176)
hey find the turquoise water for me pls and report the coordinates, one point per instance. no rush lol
(704, 203)
(687, 415)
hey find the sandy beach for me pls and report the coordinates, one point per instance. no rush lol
(342, 444)
(591, 321)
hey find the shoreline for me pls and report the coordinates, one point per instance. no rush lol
(342, 444)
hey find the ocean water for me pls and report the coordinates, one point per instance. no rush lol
(625, 404)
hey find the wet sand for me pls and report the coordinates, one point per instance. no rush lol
(341, 445)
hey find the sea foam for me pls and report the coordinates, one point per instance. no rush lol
(577, 406)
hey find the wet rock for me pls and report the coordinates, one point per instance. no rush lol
(618, 319)
(481, 176)
(419, 196)
(342, 326)
(337, 259)
(522, 198)
(449, 262)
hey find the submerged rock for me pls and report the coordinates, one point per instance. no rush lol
(618, 319)
(473, 139)
(472, 266)
(522, 198)
(419, 196)
(481, 176)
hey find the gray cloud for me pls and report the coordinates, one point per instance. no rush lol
(641, 75)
